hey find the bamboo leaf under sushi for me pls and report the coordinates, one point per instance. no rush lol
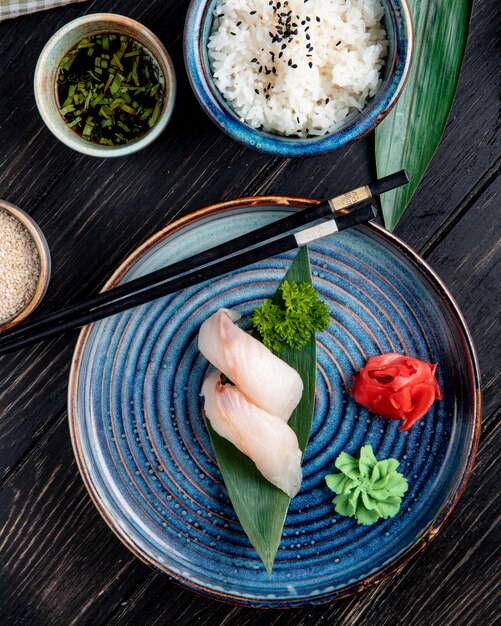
(260, 506)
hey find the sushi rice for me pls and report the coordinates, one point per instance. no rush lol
(297, 67)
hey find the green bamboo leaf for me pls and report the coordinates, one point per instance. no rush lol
(410, 134)
(260, 506)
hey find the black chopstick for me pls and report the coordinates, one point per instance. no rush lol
(199, 275)
(260, 235)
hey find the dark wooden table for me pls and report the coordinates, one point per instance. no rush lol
(59, 562)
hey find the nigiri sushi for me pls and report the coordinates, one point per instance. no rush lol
(267, 381)
(265, 438)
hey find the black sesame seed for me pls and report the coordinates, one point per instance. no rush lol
(257, 91)
(238, 23)
(294, 66)
(253, 13)
(297, 117)
(280, 55)
(327, 100)
(274, 69)
(310, 64)
(234, 34)
(254, 60)
(308, 37)
(308, 18)
(318, 19)
(289, 62)
(338, 43)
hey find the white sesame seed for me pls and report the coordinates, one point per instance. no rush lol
(19, 266)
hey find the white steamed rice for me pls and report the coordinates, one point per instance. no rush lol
(333, 52)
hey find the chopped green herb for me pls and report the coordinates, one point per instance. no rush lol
(117, 86)
(93, 75)
(75, 121)
(367, 489)
(135, 77)
(291, 325)
(128, 109)
(156, 114)
(67, 109)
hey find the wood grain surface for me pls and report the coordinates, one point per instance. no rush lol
(59, 562)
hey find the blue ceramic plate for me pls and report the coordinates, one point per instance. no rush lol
(144, 452)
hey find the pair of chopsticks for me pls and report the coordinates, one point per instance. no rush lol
(227, 257)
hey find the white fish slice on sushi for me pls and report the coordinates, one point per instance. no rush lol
(266, 380)
(265, 438)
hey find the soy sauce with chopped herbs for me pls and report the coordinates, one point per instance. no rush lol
(109, 89)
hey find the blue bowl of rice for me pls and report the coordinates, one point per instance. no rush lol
(297, 77)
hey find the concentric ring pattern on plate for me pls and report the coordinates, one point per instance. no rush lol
(140, 438)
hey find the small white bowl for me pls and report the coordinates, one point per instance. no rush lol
(45, 263)
(62, 42)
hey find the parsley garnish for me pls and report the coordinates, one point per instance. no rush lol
(291, 326)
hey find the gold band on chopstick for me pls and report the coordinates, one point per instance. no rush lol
(342, 202)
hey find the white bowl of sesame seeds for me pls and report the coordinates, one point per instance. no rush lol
(25, 265)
